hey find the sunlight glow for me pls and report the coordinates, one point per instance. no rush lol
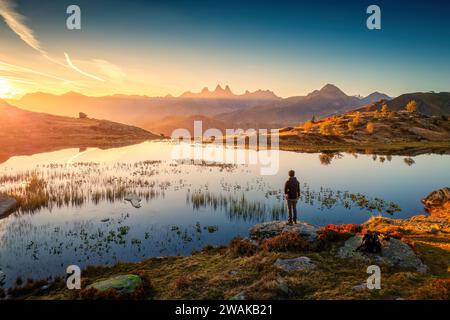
(8, 91)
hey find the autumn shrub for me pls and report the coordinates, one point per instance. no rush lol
(436, 289)
(308, 126)
(30, 288)
(411, 106)
(326, 128)
(239, 247)
(370, 128)
(285, 242)
(337, 233)
(183, 282)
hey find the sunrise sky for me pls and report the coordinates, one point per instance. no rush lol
(161, 47)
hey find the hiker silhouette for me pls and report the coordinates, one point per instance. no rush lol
(292, 194)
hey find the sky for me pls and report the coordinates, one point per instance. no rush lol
(157, 48)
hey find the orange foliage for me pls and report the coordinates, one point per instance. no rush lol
(336, 233)
(288, 241)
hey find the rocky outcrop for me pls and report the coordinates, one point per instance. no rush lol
(295, 264)
(7, 205)
(274, 228)
(437, 199)
(393, 253)
(123, 284)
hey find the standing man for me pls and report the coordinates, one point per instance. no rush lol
(292, 194)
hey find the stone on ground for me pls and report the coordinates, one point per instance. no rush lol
(295, 264)
(123, 284)
(274, 228)
(393, 253)
(437, 198)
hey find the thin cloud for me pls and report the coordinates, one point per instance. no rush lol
(16, 22)
(69, 62)
(28, 70)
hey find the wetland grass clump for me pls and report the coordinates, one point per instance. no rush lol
(73, 185)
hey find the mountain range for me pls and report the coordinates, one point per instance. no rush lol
(218, 108)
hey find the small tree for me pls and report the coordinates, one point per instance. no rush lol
(370, 128)
(385, 110)
(308, 126)
(326, 128)
(411, 106)
(314, 119)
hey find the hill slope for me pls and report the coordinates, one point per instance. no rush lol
(25, 132)
(429, 103)
(393, 133)
(327, 101)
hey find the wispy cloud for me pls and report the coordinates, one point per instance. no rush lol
(8, 66)
(69, 62)
(16, 22)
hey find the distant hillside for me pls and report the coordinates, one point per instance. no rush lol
(363, 131)
(25, 132)
(427, 103)
(320, 103)
(167, 125)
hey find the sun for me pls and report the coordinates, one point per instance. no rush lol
(7, 90)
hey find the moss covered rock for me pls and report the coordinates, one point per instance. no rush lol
(124, 284)
(393, 253)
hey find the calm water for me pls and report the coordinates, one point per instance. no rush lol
(186, 205)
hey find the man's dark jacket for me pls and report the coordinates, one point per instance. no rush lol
(292, 188)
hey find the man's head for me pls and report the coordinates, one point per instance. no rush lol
(291, 173)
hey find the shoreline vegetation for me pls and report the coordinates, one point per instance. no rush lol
(385, 132)
(282, 262)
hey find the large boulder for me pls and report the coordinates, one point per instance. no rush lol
(7, 204)
(393, 253)
(124, 284)
(437, 199)
(273, 228)
(295, 264)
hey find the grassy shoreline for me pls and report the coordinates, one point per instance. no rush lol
(412, 148)
(243, 269)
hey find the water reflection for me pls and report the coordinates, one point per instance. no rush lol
(74, 209)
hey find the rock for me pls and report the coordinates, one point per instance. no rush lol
(295, 264)
(232, 273)
(393, 252)
(239, 296)
(123, 284)
(7, 205)
(360, 287)
(282, 285)
(274, 228)
(44, 288)
(134, 199)
(437, 198)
